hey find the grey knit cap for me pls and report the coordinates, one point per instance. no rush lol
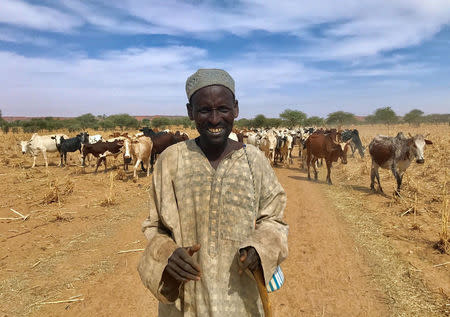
(207, 77)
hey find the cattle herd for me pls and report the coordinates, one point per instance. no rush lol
(393, 153)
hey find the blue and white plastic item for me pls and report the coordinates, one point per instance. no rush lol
(277, 280)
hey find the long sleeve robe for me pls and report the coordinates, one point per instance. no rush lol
(239, 204)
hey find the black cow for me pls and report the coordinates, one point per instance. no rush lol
(355, 141)
(70, 145)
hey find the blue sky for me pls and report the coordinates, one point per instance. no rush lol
(69, 57)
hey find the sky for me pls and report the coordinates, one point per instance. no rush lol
(69, 57)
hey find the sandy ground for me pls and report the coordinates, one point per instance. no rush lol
(68, 250)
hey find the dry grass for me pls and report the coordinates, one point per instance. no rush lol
(424, 186)
(443, 245)
(109, 199)
(121, 175)
(57, 191)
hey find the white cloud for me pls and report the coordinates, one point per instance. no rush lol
(134, 80)
(13, 36)
(20, 13)
(351, 28)
(332, 29)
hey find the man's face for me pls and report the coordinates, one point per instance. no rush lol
(213, 109)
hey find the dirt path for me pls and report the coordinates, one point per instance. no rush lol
(326, 275)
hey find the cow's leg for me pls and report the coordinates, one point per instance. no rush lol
(104, 162)
(65, 158)
(308, 162)
(377, 174)
(314, 162)
(148, 166)
(328, 171)
(83, 160)
(374, 172)
(34, 161)
(44, 152)
(143, 168)
(398, 178)
(352, 147)
(152, 162)
(400, 183)
(138, 161)
(99, 161)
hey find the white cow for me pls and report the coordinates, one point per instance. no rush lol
(233, 136)
(290, 146)
(272, 140)
(252, 138)
(141, 150)
(41, 143)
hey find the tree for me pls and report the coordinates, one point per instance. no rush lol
(340, 118)
(260, 121)
(146, 122)
(293, 117)
(274, 123)
(160, 122)
(123, 121)
(370, 119)
(314, 121)
(87, 120)
(414, 117)
(437, 118)
(183, 121)
(385, 115)
(242, 123)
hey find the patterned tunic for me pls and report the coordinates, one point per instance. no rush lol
(239, 204)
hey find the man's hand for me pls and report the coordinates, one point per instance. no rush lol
(182, 267)
(248, 259)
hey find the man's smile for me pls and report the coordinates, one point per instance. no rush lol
(215, 131)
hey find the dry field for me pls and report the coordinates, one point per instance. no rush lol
(353, 252)
(405, 237)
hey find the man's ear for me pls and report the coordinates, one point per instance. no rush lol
(189, 111)
(236, 109)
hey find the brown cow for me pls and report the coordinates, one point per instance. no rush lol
(396, 154)
(323, 146)
(101, 150)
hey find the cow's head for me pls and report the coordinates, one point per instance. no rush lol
(344, 149)
(84, 137)
(417, 145)
(127, 153)
(24, 145)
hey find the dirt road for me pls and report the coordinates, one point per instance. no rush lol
(71, 252)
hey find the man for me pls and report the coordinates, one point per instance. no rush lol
(216, 211)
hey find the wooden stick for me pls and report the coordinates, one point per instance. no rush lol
(18, 213)
(61, 301)
(16, 218)
(406, 212)
(436, 265)
(263, 292)
(128, 251)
